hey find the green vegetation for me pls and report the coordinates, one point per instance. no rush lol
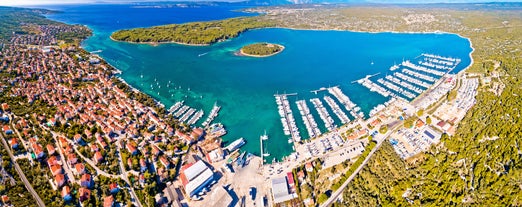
(481, 165)
(197, 33)
(13, 20)
(261, 49)
(23, 21)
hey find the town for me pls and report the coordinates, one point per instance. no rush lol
(84, 137)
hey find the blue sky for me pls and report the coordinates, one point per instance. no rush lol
(41, 2)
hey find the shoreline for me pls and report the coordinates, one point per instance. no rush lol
(247, 55)
(241, 53)
(154, 44)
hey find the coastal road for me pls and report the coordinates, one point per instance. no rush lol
(27, 184)
(339, 191)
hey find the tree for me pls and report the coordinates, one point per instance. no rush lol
(428, 120)
(420, 112)
(383, 129)
(322, 198)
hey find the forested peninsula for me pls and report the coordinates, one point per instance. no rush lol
(194, 33)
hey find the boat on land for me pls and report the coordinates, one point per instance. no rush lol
(236, 144)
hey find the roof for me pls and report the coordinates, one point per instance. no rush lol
(108, 201)
(199, 181)
(194, 170)
(280, 190)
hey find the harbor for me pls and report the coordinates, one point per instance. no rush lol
(308, 119)
(323, 113)
(287, 118)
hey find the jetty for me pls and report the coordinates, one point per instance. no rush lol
(337, 110)
(319, 90)
(308, 119)
(187, 115)
(366, 82)
(287, 118)
(213, 114)
(181, 111)
(345, 100)
(176, 106)
(366, 77)
(323, 113)
(196, 117)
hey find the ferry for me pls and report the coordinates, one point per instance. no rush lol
(236, 144)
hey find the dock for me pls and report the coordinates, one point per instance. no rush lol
(366, 77)
(323, 113)
(308, 119)
(337, 110)
(196, 117)
(213, 114)
(287, 118)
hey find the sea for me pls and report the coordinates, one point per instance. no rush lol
(244, 87)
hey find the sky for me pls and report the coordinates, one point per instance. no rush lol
(43, 2)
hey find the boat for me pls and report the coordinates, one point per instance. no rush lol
(236, 144)
(264, 136)
(241, 161)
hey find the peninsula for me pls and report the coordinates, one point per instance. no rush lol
(194, 33)
(261, 49)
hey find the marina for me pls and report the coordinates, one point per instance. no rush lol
(181, 111)
(366, 82)
(348, 104)
(337, 110)
(287, 119)
(421, 76)
(308, 119)
(323, 113)
(404, 84)
(396, 88)
(213, 114)
(176, 106)
(196, 117)
(411, 80)
(187, 115)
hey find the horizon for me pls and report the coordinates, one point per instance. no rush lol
(53, 2)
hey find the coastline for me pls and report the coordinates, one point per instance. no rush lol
(154, 44)
(241, 53)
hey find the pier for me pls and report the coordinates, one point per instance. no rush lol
(345, 100)
(213, 114)
(308, 119)
(323, 113)
(176, 106)
(186, 116)
(337, 110)
(374, 87)
(287, 119)
(196, 117)
(181, 111)
(366, 77)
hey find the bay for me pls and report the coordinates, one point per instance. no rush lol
(244, 86)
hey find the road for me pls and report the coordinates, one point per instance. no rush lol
(339, 191)
(99, 171)
(27, 184)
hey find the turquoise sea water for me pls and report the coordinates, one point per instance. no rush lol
(244, 86)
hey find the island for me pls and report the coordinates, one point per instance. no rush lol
(261, 49)
(194, 33)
